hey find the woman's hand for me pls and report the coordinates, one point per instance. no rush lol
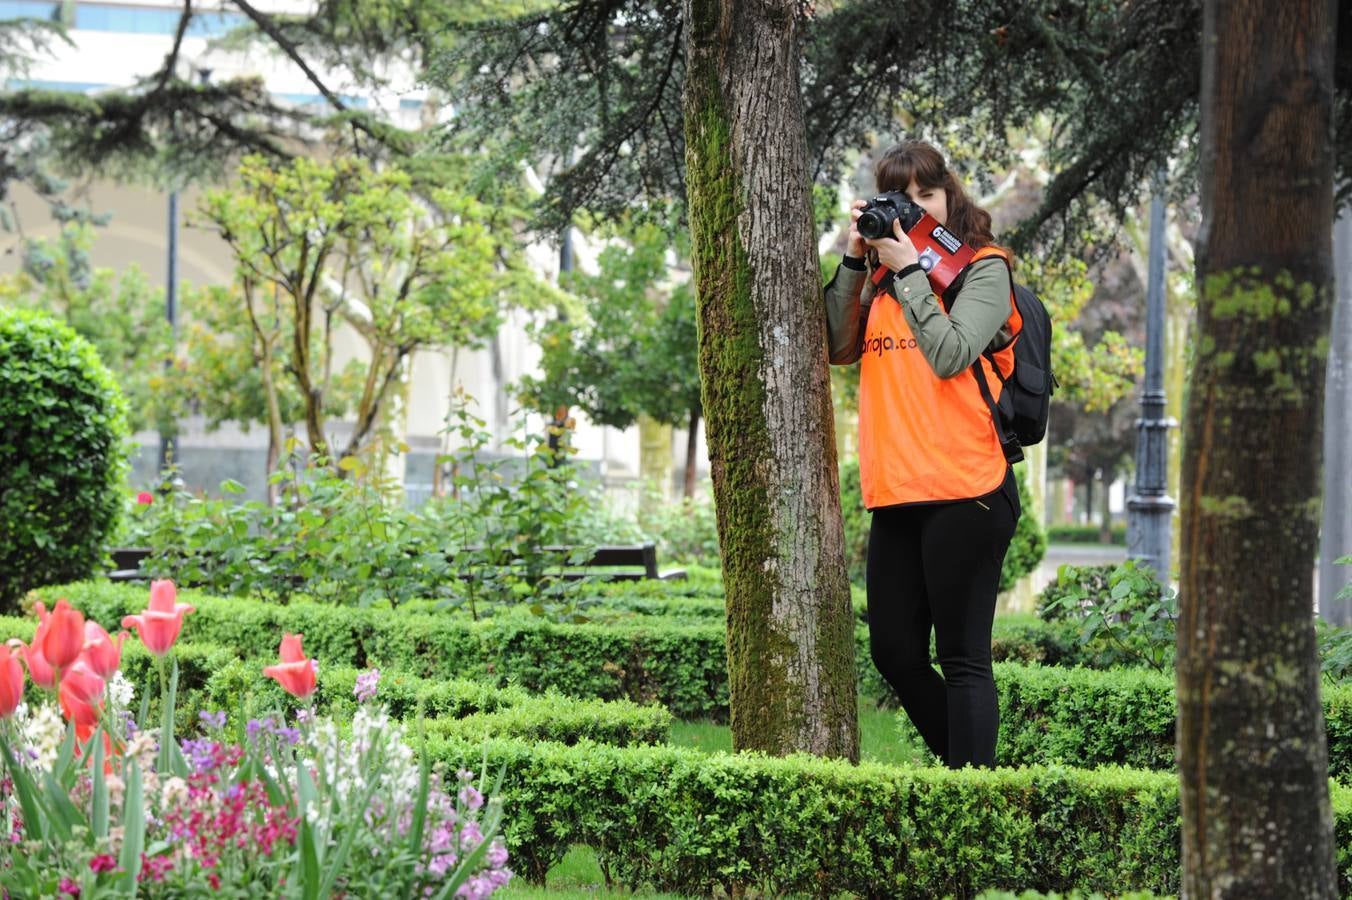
(896, 252)
(856, 245)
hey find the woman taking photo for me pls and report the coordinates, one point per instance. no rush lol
(943, 499)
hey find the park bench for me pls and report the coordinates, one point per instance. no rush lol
(634, 562)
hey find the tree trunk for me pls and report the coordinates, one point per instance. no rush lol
(691, 454)
(654, 456)
(1253, 762)
(1106, 509)
(1335, 536)
(766, 393)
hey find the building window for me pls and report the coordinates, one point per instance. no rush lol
(29, 9)
(148, 20)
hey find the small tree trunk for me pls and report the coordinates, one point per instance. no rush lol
(765, 393)
(1253, 762)
(654, 456)
(691, 454)
(1106, 510)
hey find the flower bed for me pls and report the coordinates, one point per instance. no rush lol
(104, 804)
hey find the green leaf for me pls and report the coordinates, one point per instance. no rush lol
(35, 825)
(99, 801)
(133, 829)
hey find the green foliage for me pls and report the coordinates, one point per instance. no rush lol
(681, 666)
(322, 243)
(512, 537)
(631, 348)
(1084, 534)
(1029, 543)
(1122, 610)
(694, 823)
(119, 313)
(63, 452)
(686, 530)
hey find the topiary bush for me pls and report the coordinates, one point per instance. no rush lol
(63, 452)
(1029, 543)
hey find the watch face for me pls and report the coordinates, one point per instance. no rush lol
(928, 259)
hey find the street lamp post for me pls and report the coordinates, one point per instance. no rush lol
(1150, 509)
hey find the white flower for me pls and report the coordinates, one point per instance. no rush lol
(121, 691)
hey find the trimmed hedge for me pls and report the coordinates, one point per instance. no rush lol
(1086, 718)
(683, 821)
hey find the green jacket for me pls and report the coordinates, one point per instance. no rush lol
(950, 341)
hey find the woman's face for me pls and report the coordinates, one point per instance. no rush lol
(931, 199)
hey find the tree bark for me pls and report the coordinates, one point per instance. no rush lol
(1253, 760)
(766, 394)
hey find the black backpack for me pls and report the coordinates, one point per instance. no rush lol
(1021, 414)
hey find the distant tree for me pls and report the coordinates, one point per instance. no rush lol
(318, 245)
(630, 349)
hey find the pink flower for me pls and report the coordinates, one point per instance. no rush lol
(81, 695)
(102, 651)
(145, 498)
(159, 625)
(64, 637)
(68, 886)
(103, 863)
(39, 669)
(11, 682)
(296, 674)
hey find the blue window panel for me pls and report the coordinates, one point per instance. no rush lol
(144, 20)
(318, 100)
(406, 103)
(80, 87)
(28, 9)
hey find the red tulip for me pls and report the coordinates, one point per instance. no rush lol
(39, 669)
(159, 625)
(81, 694)
(64, 639)
(145, 498)
(11, 682)
(102, 651)
(296, 674)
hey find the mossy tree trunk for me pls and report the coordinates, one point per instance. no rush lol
(766, 393)
(1252, 754)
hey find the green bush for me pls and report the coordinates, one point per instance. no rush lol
(63, 453)
(1085, 534)
(1121, 610)
(1029, 543)
(688, 822)
(1025, 552)
(681, 666)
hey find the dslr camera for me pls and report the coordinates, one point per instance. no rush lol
(881, 211)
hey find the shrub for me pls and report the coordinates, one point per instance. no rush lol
(62, 450)
(1085, 534)
(1122, 610)
(1029, 543)
(1025, 552)
(688, 822)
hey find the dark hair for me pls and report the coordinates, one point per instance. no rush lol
(920, 161)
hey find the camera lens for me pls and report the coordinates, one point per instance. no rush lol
(872, 224)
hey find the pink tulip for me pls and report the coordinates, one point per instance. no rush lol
(296, 674)
(81, 694)
(145, 498)
(39, 669)
(161, 622)
(11, 682)
(64, 639)
(102, 652)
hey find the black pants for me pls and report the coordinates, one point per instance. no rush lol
(938, 566)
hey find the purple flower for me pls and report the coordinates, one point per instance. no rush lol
(202, 754)
(470, 836)
(497, 855)
(215, 720)
(255, 727)
(366, 685)
(470, 796)
(304, 715)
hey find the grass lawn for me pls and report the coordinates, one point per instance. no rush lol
(878, 738)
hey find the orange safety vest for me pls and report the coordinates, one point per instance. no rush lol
(922, 438)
